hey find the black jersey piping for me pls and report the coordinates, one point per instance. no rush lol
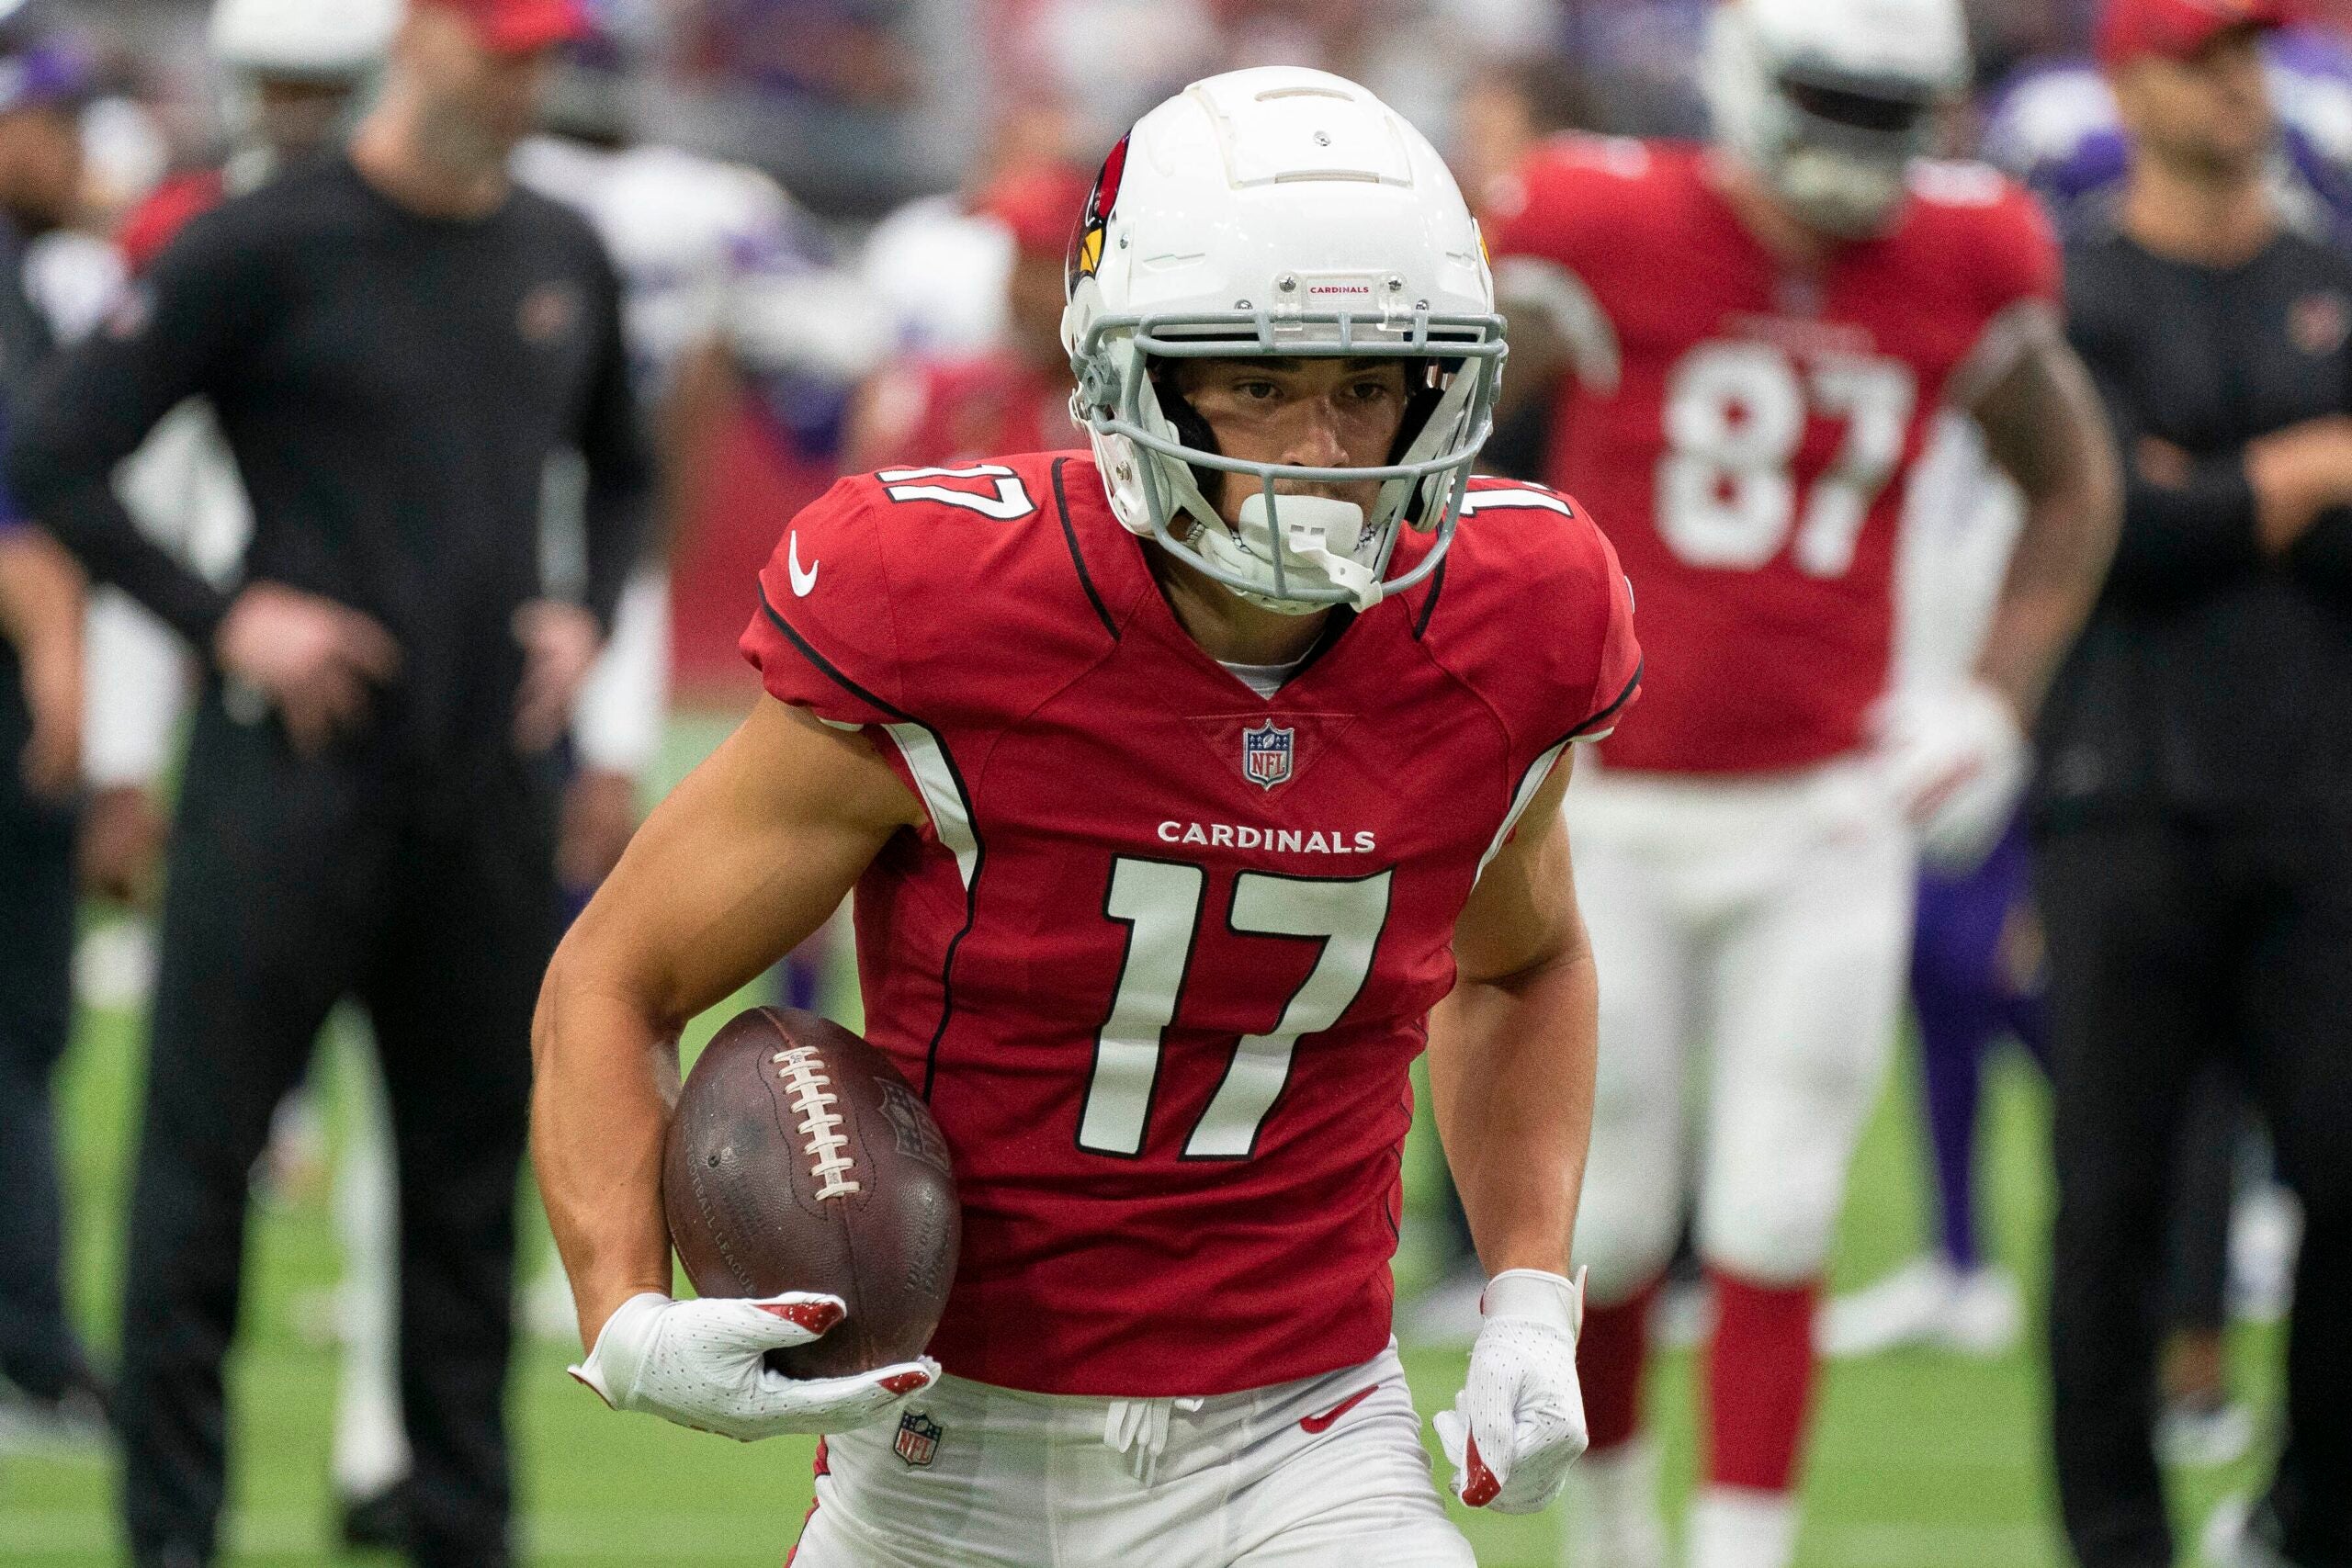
(1429, 604)
(1613, 709)
(825, 666)
(1069, 536)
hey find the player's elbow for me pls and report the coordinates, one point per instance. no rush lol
(557, 988)
(586, 980)
(2065, 460)
(2079, 509)
(2098, 495)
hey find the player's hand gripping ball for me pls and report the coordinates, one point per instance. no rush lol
(811, 1201)
(1518, 1422)
(704, 1364)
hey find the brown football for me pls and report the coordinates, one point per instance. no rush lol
(799, 1160)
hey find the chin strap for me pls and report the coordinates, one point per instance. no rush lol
(1309, 524)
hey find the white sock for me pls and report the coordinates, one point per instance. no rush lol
(1613, 1516)
(1734, 1527)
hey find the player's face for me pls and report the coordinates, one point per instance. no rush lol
(2210, 115)
(1322, 413)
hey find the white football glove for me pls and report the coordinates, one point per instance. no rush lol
(1957, 761)
(1518, 1422)
(700, 1363)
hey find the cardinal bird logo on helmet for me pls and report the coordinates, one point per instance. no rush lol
(1087, 258)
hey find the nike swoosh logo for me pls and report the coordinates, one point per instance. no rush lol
(1314, 1424)
(803, 582)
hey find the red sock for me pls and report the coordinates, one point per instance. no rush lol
(1610, 1354)
(1759, 1381)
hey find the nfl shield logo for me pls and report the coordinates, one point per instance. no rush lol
(1265, 754)
(919, 1437)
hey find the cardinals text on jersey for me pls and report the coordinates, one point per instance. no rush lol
(1743, 431)
(1163, 996)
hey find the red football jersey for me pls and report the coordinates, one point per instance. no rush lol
(1749, 461)
(1164, 952)
(959, 410)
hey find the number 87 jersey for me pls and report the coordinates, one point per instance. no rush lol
(1746, 432)
(1164, 950)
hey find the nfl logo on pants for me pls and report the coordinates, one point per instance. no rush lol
(919, 1437)
(1265, 754)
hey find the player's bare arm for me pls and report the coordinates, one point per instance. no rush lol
(1511, 1050)
(746, 858)
(2045, 427)
(1512, 1054)
(1958, 760)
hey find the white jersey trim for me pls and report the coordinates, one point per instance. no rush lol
(943, 793)
(1479, 501)
(1530, 785)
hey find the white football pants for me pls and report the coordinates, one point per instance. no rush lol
(974, 1476)
(1750, 936)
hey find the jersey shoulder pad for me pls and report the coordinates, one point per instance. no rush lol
(1574, 198)
(1994, 225)
(1535, 615)
(938, 593)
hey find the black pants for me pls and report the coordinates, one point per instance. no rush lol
(2170, 945)
(430, 896)
(38, 1351)
(2213, 1128)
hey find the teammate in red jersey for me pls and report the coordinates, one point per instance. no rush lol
(1015, 396)
(1758, 333)
(1172, 847)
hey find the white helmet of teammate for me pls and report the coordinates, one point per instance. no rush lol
(329, 41)
(1281, 212)
(1830, 99)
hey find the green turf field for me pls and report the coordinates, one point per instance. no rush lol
(1919, 1461)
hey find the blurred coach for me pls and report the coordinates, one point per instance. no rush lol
(2195, 810)
(395, 343)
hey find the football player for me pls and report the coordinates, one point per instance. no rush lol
(1188, 788)
(1759, 333)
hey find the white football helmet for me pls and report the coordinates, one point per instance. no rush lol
(1281, 212)
(1831, 99)
(327, 39)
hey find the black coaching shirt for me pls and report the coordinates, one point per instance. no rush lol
(2213, 682)
(392, 387)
